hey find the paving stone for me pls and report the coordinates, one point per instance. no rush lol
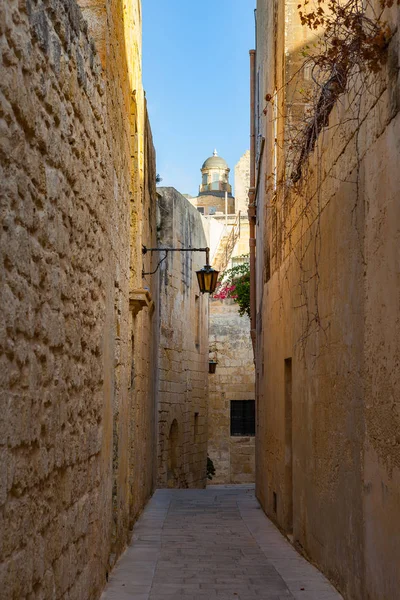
(215, 544)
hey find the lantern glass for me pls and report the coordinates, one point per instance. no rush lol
(207, 278)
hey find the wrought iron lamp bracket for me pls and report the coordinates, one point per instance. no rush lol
(145, 250)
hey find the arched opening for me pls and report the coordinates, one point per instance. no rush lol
(173, 468)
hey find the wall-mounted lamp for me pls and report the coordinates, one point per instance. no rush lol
(212, 365)
(207, 277)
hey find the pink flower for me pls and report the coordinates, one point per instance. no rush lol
(224, 291)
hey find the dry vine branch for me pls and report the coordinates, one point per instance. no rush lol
(352, 43)
(345, 59)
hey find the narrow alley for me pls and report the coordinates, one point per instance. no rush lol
(212, 543)
(199, 300)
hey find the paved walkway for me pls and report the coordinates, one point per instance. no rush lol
(215, 544)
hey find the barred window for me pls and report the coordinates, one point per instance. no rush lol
(243, 420)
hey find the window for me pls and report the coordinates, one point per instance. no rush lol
(204, 178)
(212, 210)
(215, 176)
(243, 417)
(201, 209)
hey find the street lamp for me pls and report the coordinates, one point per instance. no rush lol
(207, 277)
(212, 365)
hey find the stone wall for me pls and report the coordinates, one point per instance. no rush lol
(208, 201)
(143, 417)
(183, 389)
(74, 188)
(230, 346)
(242, 182)
(328, 455)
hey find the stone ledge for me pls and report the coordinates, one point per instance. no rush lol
(138, 299)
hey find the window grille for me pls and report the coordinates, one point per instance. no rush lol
(243, 417)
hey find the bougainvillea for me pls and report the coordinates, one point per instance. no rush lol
(224, 291)
(235, 284)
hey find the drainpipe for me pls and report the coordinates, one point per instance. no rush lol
(252, 206)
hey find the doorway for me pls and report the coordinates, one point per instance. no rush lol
(288, 447)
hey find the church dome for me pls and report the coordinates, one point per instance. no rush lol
(215, 177)
(215, 162)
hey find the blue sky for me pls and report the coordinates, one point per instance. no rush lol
(196, 77)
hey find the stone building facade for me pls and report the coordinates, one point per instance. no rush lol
(215, 192)
(231, 387)
(242, 181)
(183, 349)
(328, 389)
(78, 339)
(215, 176)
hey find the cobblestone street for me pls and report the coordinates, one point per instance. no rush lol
(213, 543)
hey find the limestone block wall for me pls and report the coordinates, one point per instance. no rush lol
(234, 379)
(328, 455)
(242, 182)
(217, 202)
(143, 418)
(183, 355)
(73, 193)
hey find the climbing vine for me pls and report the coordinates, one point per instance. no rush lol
(353, 42)
(210, 468)
(344, 58)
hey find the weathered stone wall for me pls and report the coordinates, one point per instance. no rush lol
(73, 190)
(381, 348)
(242, 182)
(230, 346)
(143, 416)
(328, 455)
(183, 389)
(217, 202)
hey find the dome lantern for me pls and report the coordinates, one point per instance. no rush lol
(215, 176)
